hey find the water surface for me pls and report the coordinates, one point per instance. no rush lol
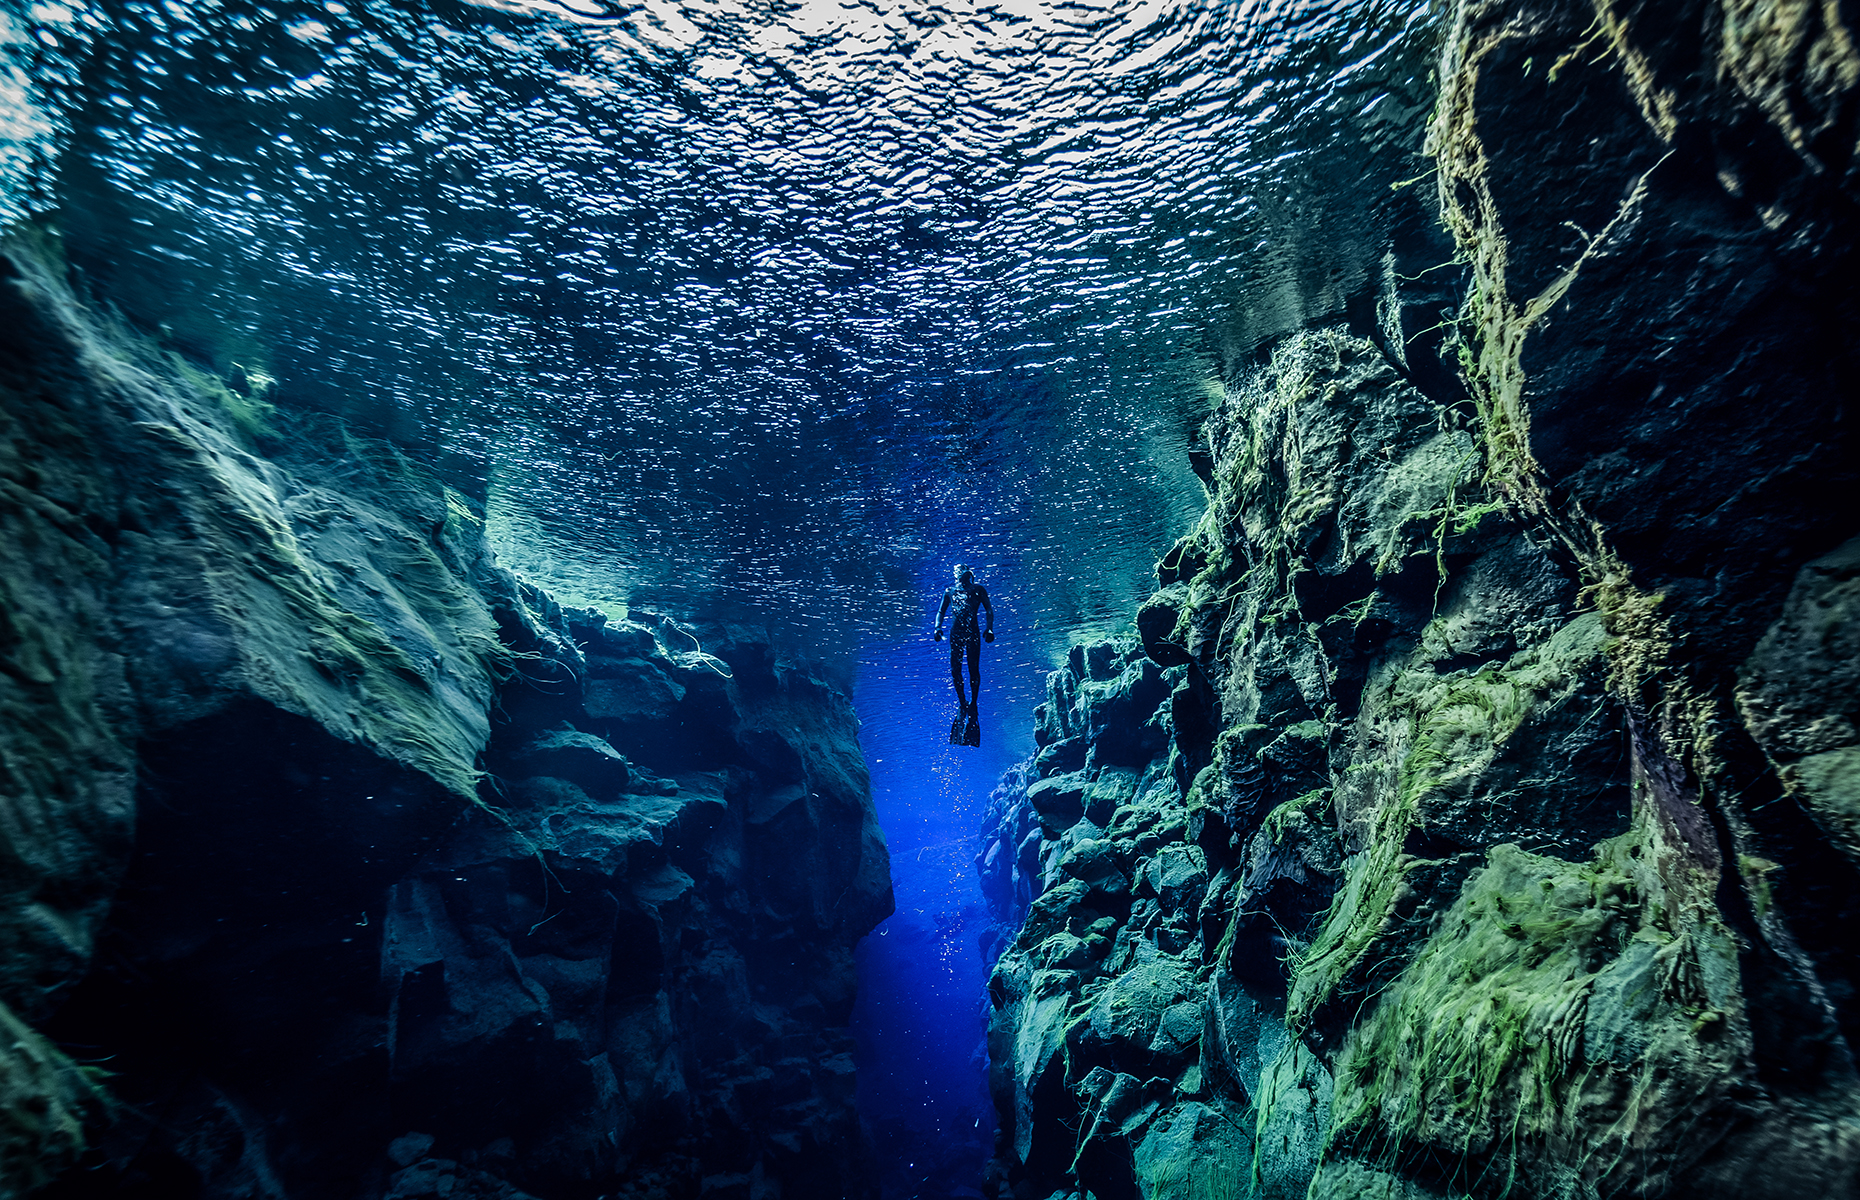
(751, 307)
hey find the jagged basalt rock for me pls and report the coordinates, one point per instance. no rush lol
(629, 966)
(1428, 888)
(619, 976)
(1800, 694)
(1221, 823)
(1504, 827)
(417, 883)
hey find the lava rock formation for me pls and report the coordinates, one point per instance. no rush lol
(1472, 812)
(342, 863)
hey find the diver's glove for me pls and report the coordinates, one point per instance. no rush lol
(939, 635)
(988, 635)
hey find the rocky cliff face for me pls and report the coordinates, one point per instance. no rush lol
(341, 863)
(1472, 814)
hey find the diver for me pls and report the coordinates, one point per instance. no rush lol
(969, 599)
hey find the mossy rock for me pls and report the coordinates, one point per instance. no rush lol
(1568, 1026)
(1347, 1179)
(1799, 694)
(44, 1100)
(1519, 750)
(1194, 1151)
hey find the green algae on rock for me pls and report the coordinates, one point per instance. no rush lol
(159, 570)
(66, 715)
(1512, 725)
(1314, 569)
(1416, 898)
(344, 594)
(44, 1100)
(1800, 694)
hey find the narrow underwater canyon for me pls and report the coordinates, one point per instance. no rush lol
(1465, 808)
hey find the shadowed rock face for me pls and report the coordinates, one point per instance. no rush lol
(619, 975)
(367, 870)
(1491, 832)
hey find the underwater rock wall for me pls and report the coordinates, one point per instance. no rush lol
(342, 863)
(1472, 813)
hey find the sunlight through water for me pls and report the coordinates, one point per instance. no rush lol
(756, 309)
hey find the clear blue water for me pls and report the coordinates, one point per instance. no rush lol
(921, 1008)
(766, 311)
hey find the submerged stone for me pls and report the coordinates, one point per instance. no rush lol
(631, 689)
(384, 845)
(1434, 844)
(581, 758)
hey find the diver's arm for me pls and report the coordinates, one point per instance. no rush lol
(988, 608)
(940, 614)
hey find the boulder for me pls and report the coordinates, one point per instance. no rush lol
(1066, 754)
(583, 759)
(1059, 801)
(1176, 875)
(1093, 862)
(630, 689)
(1156, 625)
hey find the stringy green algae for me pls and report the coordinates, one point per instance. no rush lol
(1455, 726)
(43, 1096)
(1563, 1026)
(1476, 1045)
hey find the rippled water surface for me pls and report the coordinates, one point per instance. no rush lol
(777, 307)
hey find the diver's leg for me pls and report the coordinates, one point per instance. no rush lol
(955, 668)
(975, 671)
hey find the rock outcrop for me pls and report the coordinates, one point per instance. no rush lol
(1471, 813)
(342, 863)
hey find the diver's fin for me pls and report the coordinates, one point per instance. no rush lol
(956, 730)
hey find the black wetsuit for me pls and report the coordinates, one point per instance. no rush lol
(965, 634)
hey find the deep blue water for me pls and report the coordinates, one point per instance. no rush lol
(921, 1008)
(764, 311)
